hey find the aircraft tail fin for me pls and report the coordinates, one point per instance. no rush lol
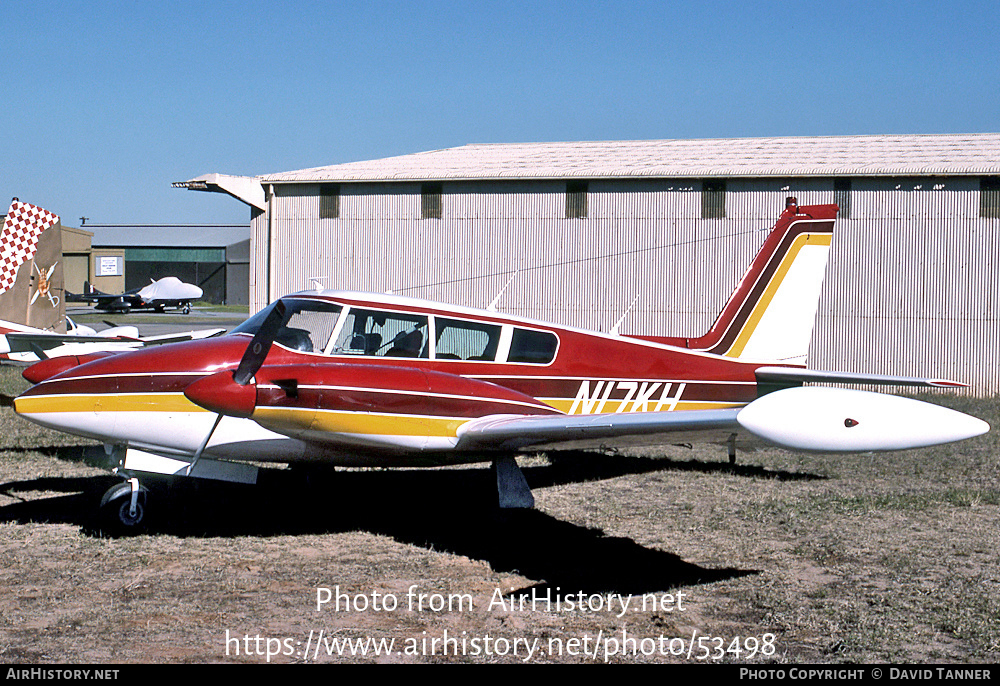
(770, 315)
(19, 238)
(30, 272)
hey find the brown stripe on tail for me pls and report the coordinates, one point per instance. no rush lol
(785, 275)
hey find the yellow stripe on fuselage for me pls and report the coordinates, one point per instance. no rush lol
(105, 402)
(373, 424)
(772, 287)
(564, 405)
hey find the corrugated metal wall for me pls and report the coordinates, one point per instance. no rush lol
(910, 286)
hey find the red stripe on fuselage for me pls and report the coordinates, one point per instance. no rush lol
(505, 387)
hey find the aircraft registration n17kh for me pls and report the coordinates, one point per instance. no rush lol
(360, 379)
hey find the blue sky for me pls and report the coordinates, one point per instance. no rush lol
(107, 103)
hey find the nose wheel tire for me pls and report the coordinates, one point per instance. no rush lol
(118, 515)
(129, 520)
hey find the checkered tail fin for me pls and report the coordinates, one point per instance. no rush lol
(19, 238)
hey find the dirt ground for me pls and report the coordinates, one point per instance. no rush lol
(670, 555)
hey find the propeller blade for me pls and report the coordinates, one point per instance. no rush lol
(260, 345)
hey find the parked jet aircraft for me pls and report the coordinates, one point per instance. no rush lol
(360, 379)
(159, 295)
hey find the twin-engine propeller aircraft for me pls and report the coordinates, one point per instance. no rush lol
(359, 379)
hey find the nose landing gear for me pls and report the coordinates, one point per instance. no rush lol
(123, 508)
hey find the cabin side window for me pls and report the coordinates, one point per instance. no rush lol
(373, 333)
(462, 340)
(533, 347)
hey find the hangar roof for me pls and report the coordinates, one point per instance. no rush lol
(902, 155)
(194, 236)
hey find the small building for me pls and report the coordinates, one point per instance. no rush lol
(656, 234)
(104, 268)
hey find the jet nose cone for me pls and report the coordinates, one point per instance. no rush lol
(219, 393)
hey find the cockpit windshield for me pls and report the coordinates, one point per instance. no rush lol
(307, 327)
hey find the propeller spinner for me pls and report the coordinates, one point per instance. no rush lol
(233, 394)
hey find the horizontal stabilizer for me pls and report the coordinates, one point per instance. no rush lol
(791, 375)
(23, 342)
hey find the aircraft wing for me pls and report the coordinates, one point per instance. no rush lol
(29, 347)
(515, 432)
(25, 346)
(814, 418)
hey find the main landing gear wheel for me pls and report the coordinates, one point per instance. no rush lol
(187, 308)
(120, 512)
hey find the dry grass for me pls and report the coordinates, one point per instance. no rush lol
(865, 558)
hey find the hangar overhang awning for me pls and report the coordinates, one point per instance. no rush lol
(244, 188)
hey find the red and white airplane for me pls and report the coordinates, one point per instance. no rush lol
(360, 379)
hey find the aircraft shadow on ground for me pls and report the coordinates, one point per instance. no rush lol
(449, 510)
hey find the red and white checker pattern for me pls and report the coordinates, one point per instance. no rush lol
(20, 237)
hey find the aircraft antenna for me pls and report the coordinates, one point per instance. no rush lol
(617, 326)
(492, 307)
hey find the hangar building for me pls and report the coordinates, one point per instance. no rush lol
(657, 234)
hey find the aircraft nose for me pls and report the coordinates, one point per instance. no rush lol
(81, 414)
